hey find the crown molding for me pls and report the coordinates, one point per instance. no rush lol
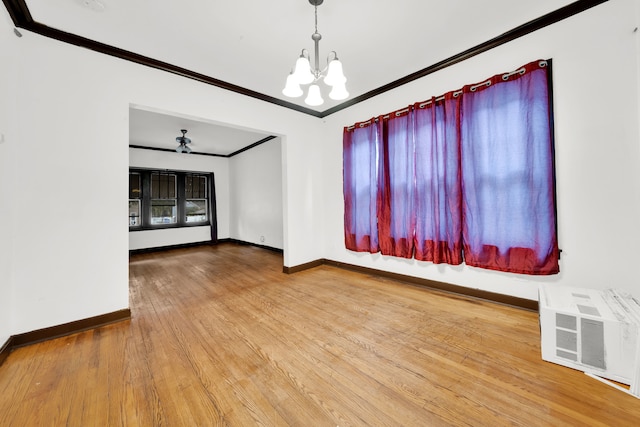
(22, 18)
(235, 153)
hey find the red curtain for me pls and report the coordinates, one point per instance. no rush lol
(420, 211)
(361, 190)
(508, 173)
(437, 197)
(466, 176)
(397, 217)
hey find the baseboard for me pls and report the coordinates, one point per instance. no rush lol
(302, 267)
(517, 302)
(242, 242)
(170, 247)
(28, 338)
(205, 243)
(5, 350)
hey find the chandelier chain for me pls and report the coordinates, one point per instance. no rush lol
(316, 7)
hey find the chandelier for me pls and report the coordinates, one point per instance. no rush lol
(304, 74)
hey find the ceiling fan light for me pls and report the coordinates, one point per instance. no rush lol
(335, 76)
(302, 72)
(292, 88)
(314, 98)
(182, 142)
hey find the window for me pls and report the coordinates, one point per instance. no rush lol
(468, 176)
(196, 198)
(135, 192)
(167, 199)
(164, 202)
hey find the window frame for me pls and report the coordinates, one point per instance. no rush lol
(158, 197)
(145, 222)
(138, 218)
(202, 195)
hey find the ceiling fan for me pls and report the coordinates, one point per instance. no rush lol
(183, 141)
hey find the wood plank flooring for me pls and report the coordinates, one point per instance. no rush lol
(219, 336)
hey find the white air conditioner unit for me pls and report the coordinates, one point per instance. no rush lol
(593, 331)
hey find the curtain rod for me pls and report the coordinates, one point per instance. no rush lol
(455, 94)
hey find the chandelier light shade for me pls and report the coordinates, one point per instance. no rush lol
(314, 97)
(292, 88)
(339, 92)
(304, 74)
(334, 73)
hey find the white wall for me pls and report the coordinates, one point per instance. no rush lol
(595, 72)
(64, 113)
(256, 195)
(7, 176)
(69, 250)
(164, 160)
(71, 126)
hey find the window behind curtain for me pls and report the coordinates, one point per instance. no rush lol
(468, 175)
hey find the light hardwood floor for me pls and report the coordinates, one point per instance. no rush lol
(220, 336)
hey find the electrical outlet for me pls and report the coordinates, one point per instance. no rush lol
(261, 239)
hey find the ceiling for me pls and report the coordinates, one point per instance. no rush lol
(251, 46)
(158, 130)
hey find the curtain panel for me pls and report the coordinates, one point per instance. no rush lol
(437, 190)
(362, 198)
(467, 176)
(213, 216)
(508, 174)
(397, 216)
